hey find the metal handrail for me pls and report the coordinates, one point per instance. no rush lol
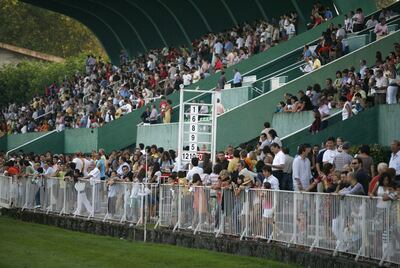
(43, 115)
(29, 142)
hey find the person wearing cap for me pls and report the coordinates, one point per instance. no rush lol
(343, 158)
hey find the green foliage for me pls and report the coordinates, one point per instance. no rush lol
(42, 30)
(384, 3)
(19, 83)
(378, 153)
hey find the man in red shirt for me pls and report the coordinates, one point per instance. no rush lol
(12, 170)
(382, 167)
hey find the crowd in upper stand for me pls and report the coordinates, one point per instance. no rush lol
(106, 92)
(353, 89)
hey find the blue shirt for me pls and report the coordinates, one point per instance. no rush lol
(228, 46)
(124, 93)
(102, 167)
(307, 53)
(328, 14)
(237, 78)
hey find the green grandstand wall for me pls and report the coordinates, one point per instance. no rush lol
(353, 130)
(54, 143)
(287, 123)
(261, 109)
(377, 125)
(389, 124)
(81, 139)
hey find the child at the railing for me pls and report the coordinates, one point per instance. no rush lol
(199, 200)
(112, 193)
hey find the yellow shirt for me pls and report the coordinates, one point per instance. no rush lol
(316, 64)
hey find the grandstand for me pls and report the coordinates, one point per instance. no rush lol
(113, 144)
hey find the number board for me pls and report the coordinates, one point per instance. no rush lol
(194, 119)
(196, 128)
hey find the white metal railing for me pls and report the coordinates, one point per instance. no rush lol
(362, 226)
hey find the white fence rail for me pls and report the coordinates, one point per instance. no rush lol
(358, 225)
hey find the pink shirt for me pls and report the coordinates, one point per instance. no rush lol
(381, 29)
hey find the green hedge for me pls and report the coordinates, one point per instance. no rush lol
(378, 152)
(19, 83)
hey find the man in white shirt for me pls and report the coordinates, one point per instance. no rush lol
(268, 177)
(218, 48)
(263, 140)
(331, 152)
(302, 169)
(94, 173)
(93, 176)
(240, 42)
(290, 30)
(81, 163)
(279, 161)
(395, 158)
(127, 107)
(195, 169)
(187, 79)
(371, 23)
(341, 32)
(381, 84)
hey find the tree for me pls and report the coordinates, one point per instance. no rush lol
(19, 83)
(42, 30)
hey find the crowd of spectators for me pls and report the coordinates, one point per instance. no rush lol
(106, 92)
(330, 168)
(352, 90)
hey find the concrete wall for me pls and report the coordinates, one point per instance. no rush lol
(226, 244)
(9, 57)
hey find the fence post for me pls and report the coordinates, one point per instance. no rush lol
(200, 206)
(145, 213)
(295, 217)
(91, 214)
(160, 210)
(142, 198)
(274, 219)
(387, 250)
(220, 212)
(364, 235)
(339, 227)
(245, 209)
(126, 198)
(64, 199)
(178, 223)
(317, 210)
